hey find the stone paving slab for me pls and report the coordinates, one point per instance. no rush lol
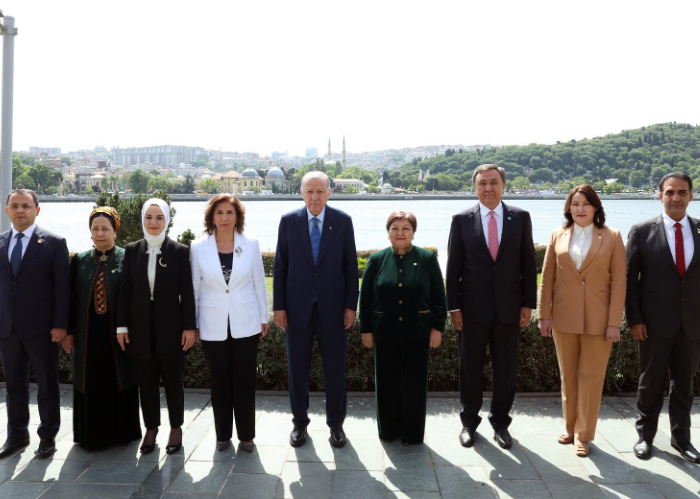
(536, 467)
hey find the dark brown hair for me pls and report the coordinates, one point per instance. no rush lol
(23, 192)
(592, 197)
(402, 215)
(679, 176)
(211, 208)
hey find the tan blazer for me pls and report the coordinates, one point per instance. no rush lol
(586, 300)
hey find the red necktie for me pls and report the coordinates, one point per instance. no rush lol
(493, 236)
(680, 250)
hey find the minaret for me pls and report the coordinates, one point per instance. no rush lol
(344, 161)
(330, 158)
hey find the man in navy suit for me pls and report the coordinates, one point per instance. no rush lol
(34, 303)
(315, 295)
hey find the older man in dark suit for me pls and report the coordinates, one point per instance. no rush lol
(491, 291)
(663, 292)
(315, 296)
(34, 304)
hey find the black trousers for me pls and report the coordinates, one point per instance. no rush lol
(503, 341)
(149, 372)
(401, 380)
(16, 353)
(333, 346)
(657, 356)
(233, 372)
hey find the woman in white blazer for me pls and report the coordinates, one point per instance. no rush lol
(232, 314)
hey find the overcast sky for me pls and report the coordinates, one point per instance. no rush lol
(269, 76)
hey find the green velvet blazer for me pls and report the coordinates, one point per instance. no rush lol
(83, 269)
(402, 296)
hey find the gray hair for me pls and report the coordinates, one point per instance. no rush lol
(318, 175)
(484, 168)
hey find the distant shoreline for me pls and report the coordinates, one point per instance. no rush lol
(353, 197)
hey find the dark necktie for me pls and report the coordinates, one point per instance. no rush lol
(680, 250)
(16, 257)
(315, 239)
(101, 288)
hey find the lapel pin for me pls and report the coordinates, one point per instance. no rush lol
(238, 251)
(415, 264)
(114, 271)
(509, 218)
(160, 262)
(39, 240)
(698, 229)
(330, 228)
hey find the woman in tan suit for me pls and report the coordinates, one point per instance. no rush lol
(581, 299)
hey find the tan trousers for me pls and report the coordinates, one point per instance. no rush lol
(583, 360)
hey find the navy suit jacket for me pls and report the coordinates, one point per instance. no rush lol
(37, 299)
(481, 288)
(334, 280)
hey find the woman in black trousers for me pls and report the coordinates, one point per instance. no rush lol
(156, 320)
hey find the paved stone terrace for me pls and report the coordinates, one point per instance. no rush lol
(536, 467)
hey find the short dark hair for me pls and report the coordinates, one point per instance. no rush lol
(23, 192)
(678, 175)
(402, 215)
(484, 168)
(211, 207)
(591, 197)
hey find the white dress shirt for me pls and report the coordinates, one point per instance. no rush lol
(688, 246)
(486, 218)
(25, 240)
(580, 243)
(320, 220)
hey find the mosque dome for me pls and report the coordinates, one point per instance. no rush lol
(387, 186)
(275, 172)
(250, 173)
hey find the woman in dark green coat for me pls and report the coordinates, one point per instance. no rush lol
(105, 393)
(402, 315)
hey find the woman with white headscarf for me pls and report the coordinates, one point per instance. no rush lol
(156, 320)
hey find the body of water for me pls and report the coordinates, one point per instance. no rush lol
(369, 217)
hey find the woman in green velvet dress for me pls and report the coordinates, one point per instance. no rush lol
(402, 316)
(105, 393)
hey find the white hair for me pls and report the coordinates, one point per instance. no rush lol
(318, 175)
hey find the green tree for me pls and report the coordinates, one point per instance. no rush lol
(186, 237)
(367, 176)
(89, 190)
(521, 183)
(209, 185)
(130, 214)
(45, 176)
(18, 168)
(159, 184)
(614, 187)
(351, 189)
(638, 178)
(138, 182)
(65, 160)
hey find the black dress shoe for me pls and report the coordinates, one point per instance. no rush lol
(337, 438)
(298, 436)
(686, 450)
(12, 446)
(222, 446)
(47, 446)
(247, 446)
(503, 438)
(642, 449)
(467, 437)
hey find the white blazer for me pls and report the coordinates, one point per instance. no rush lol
(243, 301)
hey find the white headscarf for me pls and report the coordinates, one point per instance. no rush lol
(154, 242)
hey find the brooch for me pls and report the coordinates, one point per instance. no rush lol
(509, 218)
(600, 237)
(41, 240)
(160, 262)
(114, 271)
(238, 251)
(103, 258)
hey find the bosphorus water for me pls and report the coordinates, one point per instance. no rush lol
(369, 218)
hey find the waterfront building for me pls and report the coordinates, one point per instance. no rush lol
(48, 151)
(162, 155)
(341, 184)
(311, 152)
(275, 177)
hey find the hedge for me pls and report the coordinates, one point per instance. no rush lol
(538, 368)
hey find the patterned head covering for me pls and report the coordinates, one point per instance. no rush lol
(110, 213)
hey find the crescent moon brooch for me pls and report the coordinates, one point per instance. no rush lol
(160, 262)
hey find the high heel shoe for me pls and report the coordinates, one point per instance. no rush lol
(173, 448)
(148, 448)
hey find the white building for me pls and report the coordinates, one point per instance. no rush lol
(341, 184)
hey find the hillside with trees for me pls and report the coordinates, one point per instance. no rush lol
(635, 158)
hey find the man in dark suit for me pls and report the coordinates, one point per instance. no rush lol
(491, 291)
(663, 292)
(34, 304)
(315, 295)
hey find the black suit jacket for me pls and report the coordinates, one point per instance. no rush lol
(481, 288)
(37, 299)
(334, 280)
(656, 294)
(173, 300)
